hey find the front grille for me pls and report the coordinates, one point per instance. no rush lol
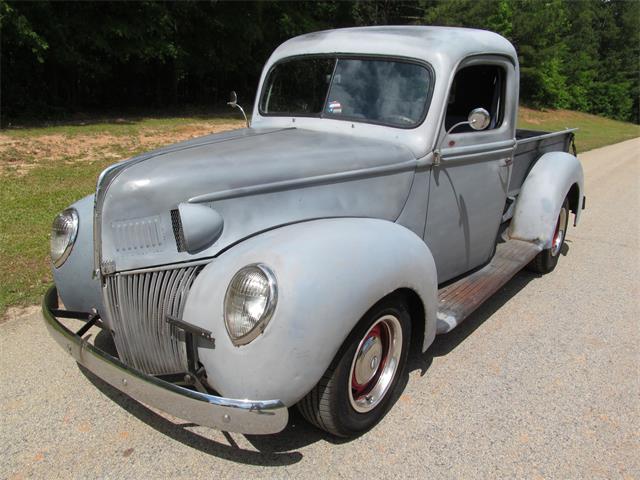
(138, 305)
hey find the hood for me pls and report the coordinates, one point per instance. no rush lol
(254, 180)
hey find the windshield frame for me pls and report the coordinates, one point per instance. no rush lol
(346, 56)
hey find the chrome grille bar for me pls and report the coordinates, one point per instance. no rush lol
(138, 305)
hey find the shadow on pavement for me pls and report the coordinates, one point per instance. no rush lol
(273, 450)
(280, 449)
(295, 436)
(443, 344)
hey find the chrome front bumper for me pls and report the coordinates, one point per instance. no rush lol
(243, 416)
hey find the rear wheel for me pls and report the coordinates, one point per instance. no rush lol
(547, 259)
(362, 382)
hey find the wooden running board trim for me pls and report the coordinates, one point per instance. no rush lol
(459, 299)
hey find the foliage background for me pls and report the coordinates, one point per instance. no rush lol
(60, 58)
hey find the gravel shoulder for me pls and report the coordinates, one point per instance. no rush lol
(541, 382)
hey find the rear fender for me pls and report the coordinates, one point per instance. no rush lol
(329, 273)
(538, 205)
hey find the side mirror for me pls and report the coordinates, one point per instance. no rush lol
(479, 119)
(233, 99)
(233, 103)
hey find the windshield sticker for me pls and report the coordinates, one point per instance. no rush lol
(335, 107)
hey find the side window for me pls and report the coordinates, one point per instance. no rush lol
(474, 87)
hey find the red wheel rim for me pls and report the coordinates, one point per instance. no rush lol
(375, 364)
(558, 235)
(378, 333)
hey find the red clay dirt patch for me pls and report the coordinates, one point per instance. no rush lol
(20, 154)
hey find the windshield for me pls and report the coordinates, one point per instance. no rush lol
(389, 92)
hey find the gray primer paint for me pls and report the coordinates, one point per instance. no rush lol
(443, 48)
(285, 170)
(329, 273)
(267, 180)
(540, 199)
(201, 226)
(77, 286)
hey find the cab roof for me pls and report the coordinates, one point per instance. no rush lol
(435, 45)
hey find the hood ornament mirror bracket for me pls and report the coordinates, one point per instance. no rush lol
(233, 103)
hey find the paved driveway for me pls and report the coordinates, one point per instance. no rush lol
(542, 381)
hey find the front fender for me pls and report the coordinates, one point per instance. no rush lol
(541, 196)
(329, 273)
(77, 286)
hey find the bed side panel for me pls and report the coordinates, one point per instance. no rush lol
(530, 146)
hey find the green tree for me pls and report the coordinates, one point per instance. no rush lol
(614, 92)
(60, 57)
(580, 65)
(538, 32)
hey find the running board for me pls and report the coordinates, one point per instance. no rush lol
(459, 299)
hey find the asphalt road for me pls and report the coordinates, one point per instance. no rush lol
(541, 382)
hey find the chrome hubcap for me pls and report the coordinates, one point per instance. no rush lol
(367, 359)
(558, 236)
(375, 363)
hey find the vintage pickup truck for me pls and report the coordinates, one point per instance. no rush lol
(379, 195)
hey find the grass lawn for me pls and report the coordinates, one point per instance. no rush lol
(594, 131)
(43, 170)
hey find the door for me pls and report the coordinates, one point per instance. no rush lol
(468, 189)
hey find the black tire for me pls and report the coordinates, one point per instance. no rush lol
(546, 260)
(331, 405)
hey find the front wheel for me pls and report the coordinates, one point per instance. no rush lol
(361, 383)
(547, 259)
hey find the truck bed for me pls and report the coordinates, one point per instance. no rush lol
(530, 145)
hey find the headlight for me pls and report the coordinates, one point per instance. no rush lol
(249, 303)
(63, 235)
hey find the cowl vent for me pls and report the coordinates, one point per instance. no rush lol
(195, 227)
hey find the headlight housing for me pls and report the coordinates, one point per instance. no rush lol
(63, 235)
(249, 303)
